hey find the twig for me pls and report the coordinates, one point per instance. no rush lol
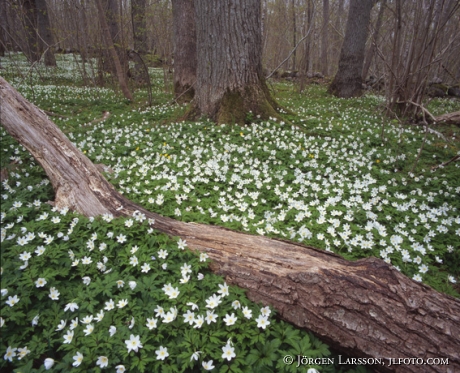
(453, 159)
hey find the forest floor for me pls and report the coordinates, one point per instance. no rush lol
(338, 175)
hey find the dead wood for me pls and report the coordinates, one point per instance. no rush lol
(449, 118)
(365, 308)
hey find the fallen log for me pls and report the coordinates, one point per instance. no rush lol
(449, 118)
(365, 308)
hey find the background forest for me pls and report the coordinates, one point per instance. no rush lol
(335, 124)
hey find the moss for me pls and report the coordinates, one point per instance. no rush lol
(231, 109)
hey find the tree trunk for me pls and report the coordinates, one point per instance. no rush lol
(230, 83)
(348, 81)
(325, 39)
(294, 34)
(365, 308)
(121, 74)
(375, 34)
(185, 61)
(45, 38)
(113, 17)
(138, 9)
(3, 27)
(30, 26)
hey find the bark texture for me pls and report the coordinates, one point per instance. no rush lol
(138, 9)
(449, 118)
(365, 308)
(325, 39)
(348, 81)
(120, 72)
(29, 9)
(45, 37)
(185, 61)
(230, 81)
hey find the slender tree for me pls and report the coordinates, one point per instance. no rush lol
(348, 80)
(325, 39)
(230, 82)
(374, 39)
(185, 60)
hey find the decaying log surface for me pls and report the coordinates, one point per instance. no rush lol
(364, 308)
(449, 118)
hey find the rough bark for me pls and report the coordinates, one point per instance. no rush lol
(374, 40)
(365, 308)
(45, 37)
(325, 39)
(138, 9)
(185, 61)
(230, 82)
(348, 81)
(29, 9)
(121, 74)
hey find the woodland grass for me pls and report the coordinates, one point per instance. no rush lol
(337, 177)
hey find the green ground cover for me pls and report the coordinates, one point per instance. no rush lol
(109, 294)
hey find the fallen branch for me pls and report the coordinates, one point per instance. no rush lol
(453, 159)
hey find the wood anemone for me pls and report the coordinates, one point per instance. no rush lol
(365, 308)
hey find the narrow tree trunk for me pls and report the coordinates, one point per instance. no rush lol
(185, 60)
(45, 38)
(325, 39)
(294, 34)
(3, 27)
(308, 24)
(121, 75)
(113, 17)
(230, 82)
(348, 81)
(366, 308)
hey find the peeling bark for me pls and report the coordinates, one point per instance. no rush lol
(364, 308)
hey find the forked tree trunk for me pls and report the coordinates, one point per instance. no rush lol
(348, 82)
(366, 308)
(185, 60)
(230, 82)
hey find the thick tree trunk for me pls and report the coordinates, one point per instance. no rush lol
(45, 38)
(365, 308)
(185, 61)
(230, 82)
(348, 82)
(121, 74)
(30, 27)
